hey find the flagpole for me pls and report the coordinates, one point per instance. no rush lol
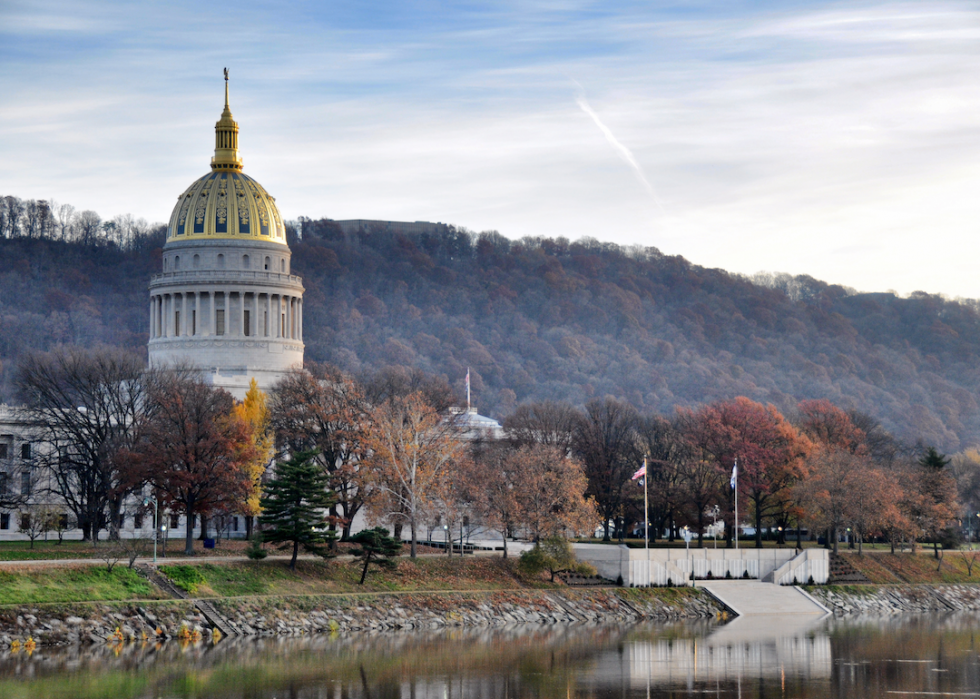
(735, 476)
(646, 523)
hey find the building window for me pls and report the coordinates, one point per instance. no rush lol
(265, 322)
(63, 522)
(221, 261)
(122, 520)
(138, 520)
(267, 262)
(25, 521)
(197, 261)
(245, 262)
(234, 524)
(174, 521)
(176, 323)
(3, 483)
(25, 450)
(248, 323)
(282, 266)
(176, 263)
(4, 520)
(4, 451)
(194, 322)
(219, 322)
(25, 483)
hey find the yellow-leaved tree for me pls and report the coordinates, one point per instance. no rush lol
(254, 412)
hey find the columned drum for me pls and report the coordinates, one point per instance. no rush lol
(225, 301)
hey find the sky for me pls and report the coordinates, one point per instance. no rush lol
(835, 139)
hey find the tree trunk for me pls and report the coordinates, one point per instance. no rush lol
(367, 560)
(248, 527)
(833, 531)
(935, 549)
(412, 526)
(189, 533)
(292, 561)
(605, 525)
(505, 542)
(758, 526)
(204, 528)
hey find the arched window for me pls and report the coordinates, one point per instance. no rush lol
(282, 265)
(176, 262)
(244, 261)
(197, 261)
(267, 262)
(221, 261)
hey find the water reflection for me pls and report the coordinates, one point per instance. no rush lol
(764, 657)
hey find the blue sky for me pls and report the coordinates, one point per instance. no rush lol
(840, 140)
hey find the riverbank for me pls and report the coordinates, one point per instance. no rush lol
(887, 600)
(125, 622)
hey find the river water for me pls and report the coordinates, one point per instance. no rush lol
(764, 657)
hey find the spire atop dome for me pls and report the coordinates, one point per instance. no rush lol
(226, 156)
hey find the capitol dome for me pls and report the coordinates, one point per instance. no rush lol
(226, 203)
(226, 301)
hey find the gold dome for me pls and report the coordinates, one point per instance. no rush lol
(226, 203)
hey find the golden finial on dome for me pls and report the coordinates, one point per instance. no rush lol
(226, 155)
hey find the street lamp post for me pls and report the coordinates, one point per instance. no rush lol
(686, 533)
(156, 526)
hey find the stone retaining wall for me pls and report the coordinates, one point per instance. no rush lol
(883, 600)
(271, 616)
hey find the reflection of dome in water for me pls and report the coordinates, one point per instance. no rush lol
(226, 203)
(226, 301)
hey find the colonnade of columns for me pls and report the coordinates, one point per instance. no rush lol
(209, 313)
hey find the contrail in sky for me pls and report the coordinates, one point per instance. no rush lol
(623, 151)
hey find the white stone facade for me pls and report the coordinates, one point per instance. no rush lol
(230, 308)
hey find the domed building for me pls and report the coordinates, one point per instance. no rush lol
(225, 301)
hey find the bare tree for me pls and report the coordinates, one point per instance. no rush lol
(549, 423)
(87, 408)
(606, 440)
(65, 218)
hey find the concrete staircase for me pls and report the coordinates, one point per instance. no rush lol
(752, 597)
(842, 572)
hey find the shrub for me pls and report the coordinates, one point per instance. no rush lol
(255, 551)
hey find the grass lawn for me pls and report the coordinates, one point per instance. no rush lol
(52, 550)
(920, 567)
(73, 585)
(273, 577)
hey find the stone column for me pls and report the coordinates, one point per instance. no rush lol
(241, 314)
(299, 317)
(268, 314)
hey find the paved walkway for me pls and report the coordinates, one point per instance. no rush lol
(751, 597)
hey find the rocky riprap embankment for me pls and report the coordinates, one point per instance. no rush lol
(882, 600)
(98, 623)
(278, 616)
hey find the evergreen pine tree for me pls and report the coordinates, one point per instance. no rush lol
(295, 505)
(376, 546)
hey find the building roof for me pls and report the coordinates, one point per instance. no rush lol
(225, 203)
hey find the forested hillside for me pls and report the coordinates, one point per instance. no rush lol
(548, 319)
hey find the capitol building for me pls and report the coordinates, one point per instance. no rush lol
(225, 301)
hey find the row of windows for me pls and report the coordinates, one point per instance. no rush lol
(268, 265)
(5, 450)
(25, 483)
(24, 518)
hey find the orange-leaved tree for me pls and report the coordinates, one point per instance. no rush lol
(411, 449)
(254, 412)
(194, 449)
